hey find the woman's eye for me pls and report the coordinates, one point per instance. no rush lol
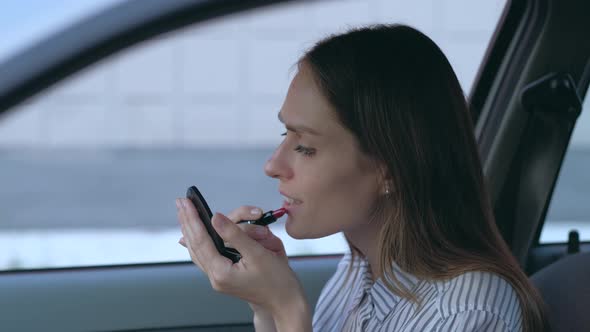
(302, 149)
(305, 150)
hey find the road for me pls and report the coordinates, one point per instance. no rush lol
(136, 188)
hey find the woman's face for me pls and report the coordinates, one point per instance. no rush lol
(329, 185)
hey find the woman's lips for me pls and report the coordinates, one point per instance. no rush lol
(289, 203)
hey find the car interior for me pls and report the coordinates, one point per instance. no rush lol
(525, 101)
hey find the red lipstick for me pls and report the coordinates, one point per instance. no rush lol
(267, 218)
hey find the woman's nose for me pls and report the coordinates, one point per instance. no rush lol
(277, 166)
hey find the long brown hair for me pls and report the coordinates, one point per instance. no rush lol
(395, 90)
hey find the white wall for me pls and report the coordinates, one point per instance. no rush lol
(222, 84)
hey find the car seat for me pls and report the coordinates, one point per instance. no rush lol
(565, 287)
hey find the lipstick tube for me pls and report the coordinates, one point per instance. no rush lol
(266, 219)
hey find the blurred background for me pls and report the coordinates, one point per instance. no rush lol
(90, 169)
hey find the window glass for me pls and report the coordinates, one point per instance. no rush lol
(569, 208)
(91, 168)
(25, 22)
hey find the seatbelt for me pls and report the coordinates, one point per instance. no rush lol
(554, 105)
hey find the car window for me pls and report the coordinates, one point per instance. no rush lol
(570, 204)
(21, 26)
(91, 167)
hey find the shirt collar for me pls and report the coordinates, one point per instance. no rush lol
(382, 299)
(362, 278)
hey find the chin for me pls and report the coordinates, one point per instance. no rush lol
(302, 232)
(293, 230)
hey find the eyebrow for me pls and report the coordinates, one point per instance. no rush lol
(298, 128)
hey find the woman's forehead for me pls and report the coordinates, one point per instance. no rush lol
(305, 105)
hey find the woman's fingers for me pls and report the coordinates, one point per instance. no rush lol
(182, 242)
(261, 234)
(256, 232)
(231, 233)
(273, 244)
(199, 244)
(181, 217)
(245, 212)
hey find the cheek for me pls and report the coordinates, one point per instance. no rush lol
(333, 203)
(349, 203)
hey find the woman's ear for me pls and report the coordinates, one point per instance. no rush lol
(386, 189)
(384, 180)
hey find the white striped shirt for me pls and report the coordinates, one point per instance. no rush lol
(473, 301)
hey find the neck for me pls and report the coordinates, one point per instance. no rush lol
(364, 239)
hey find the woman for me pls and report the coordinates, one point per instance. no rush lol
(379, 146)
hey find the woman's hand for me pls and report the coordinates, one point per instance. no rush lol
(261, 234)
(262, 277)
(263, 320)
